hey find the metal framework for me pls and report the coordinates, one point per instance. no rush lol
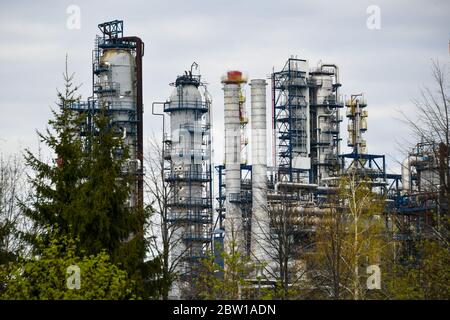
(290, 118)
(371, 166)
(244, 199)
(112, 29)
(416, 206)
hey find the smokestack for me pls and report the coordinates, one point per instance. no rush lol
(233, 213)
(260, 221)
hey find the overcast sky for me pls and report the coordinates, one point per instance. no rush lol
(388, 65)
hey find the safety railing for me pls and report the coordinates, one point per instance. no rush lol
(188, 175)
(189, 202)
(186, 105)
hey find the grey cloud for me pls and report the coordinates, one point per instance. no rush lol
(388, 65)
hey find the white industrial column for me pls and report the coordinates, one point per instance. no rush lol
(260, 219)
(116, 89)
(234, 239)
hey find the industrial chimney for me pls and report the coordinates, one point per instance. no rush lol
(234, 236)
(260, 222)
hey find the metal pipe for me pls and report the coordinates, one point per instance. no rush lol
(163, 122)
(274, 132)
(335, 67)
(405, 175)
(294, 185)
(318, 145)
(139, 114)
(322, 189)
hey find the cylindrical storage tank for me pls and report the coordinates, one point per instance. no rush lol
(260, 216)
(233, 218)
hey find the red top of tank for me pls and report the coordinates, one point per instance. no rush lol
(234, 76)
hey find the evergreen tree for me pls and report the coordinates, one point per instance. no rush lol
(47, 277)
(84, 193)
(56, 186)
(110, 222)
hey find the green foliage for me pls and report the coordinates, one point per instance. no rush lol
(11, 188)
(426, 276)
(45, 277)
(215, 282)
(5, 255)
(57, 186)
(353, 235)
(84, 193)
(350, 237)
(280, 292)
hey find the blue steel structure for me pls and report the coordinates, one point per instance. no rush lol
(245, 200)
(372, 166)
(290, 117)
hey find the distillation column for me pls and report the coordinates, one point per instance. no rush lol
(325, 104)
(118, 86)
(357, 114)
(189, 178)
(260, 219)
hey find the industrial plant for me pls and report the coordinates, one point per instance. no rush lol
(117, 87)
(226, 206)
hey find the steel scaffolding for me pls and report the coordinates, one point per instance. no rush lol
(244, 199)
(290, 110)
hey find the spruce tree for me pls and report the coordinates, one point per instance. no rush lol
(111, 223)
(83, 194)
(56, 185)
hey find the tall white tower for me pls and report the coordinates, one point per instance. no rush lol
(188, 174)
(117, 69)
(234, 233)
(260, 228)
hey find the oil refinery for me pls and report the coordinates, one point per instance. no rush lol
(226, 206)
(117, 87)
